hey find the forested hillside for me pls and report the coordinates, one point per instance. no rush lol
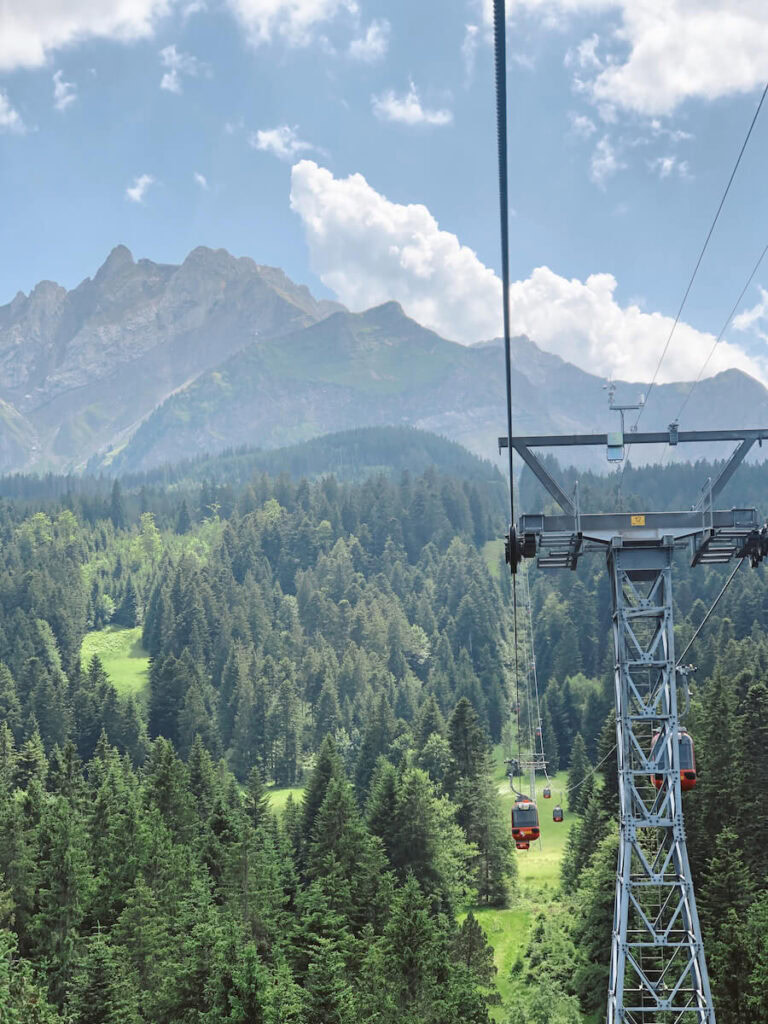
(346, 638)
(289, 819)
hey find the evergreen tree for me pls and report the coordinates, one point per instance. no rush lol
(117, 507)
(183, 519)
(578, 770)
(127, 612)
(102, 991)
(472, 949)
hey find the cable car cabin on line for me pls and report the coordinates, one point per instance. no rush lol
(687, 760)
(547, 794)
(522, 844)
(557, 813)
(525, 821)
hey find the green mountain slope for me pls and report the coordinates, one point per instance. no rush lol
(381, 367)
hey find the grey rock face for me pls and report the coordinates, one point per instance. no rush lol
(85, 367)
(150, 362)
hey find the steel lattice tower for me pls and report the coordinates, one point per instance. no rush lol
(658, 972)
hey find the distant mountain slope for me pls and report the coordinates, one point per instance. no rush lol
(348, 455)
(84, 366)
(151, 363)
(381, 367)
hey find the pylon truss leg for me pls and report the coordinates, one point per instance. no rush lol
(658, 972)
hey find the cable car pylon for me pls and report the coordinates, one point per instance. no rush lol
(658, 970)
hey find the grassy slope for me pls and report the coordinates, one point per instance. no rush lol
(538, 879)
(492, 552)
(278, 798)
(124, 659)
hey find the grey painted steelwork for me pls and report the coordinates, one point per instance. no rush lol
(658, 971)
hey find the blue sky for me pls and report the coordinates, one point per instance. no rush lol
(353, 144)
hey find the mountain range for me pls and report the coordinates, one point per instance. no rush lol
(148, 363)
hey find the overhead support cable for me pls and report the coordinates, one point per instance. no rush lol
(693, 276)
(703, 250)
(723, 329)
(712, 608)
(500, 62)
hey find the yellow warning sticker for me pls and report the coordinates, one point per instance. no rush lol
(637, 520)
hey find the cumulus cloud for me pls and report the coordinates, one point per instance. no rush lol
(605, 162)
(33, 29)
(374, 44)
(582, 126)
(469, 51)
(10, 118)
(668, 51)
(282, 142)
(584, 56)
(369, 250)
(138, 189)
(201, 180)
(179, 64)
(407, 109)
(665, 166)
(294, 21)
(753, 319)
(64, 93)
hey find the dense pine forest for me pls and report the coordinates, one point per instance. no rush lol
(347, 637)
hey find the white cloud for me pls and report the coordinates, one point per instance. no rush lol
(33, 29)
(668, 51)
(664, 166)
(407, 109)
(10, 118)
(374, 44)
(64, 93)
(469, 51)
(369, 250)
(751, 318)
(201, 180)
(658, 130)
(581, 125)
(295, 21)
(138, 189)
(178, 65)
(584, 55)
(605, 162)
(283, 142)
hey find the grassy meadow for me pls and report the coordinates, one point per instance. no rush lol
(538, 880)
(124, 659)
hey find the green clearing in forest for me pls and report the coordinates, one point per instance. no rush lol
(492, 552)
(538, 879)
(124, 659)
(278, 798)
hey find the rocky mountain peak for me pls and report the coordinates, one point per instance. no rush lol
(118, 260)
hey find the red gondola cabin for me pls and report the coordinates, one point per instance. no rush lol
(687, 760)
(523, 845)
(557, 813)
(547, 793)
(525, 821)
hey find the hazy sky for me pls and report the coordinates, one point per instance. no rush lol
(352, 142)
